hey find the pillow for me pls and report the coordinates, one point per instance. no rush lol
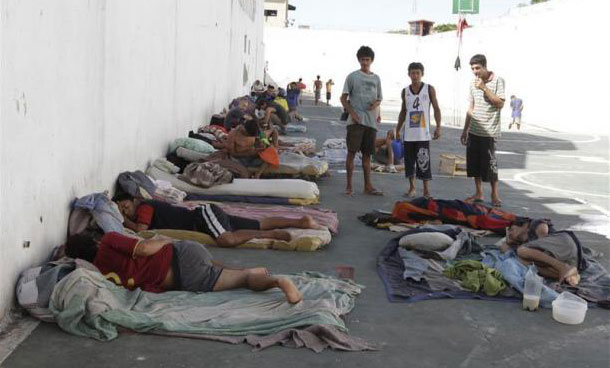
(426, 241)
(192, 144)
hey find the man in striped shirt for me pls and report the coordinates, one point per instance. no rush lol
(482, 129)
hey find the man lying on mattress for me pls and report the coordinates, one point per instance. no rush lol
(554, 253)
(158, 264)
(245, 142)
(227, 230)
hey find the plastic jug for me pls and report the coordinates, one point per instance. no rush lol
(532, 289)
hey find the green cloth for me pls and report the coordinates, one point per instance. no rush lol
(475, 276)
(85, 303)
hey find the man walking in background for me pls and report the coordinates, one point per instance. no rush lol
(361, 99)
(482, 129)
(329, 86)
(516, 104)
(317, 89)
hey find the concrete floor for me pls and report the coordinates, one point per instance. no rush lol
(543, 174)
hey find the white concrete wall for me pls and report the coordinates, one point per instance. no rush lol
(550, 54)
(93, 88)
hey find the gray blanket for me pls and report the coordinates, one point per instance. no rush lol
(86, 304)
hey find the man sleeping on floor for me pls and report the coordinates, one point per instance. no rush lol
(159, 264)
(554, 253)
(227, 230)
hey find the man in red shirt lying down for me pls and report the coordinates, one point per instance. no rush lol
(226, 230)
(161, 264)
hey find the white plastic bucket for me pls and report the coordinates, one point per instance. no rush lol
(569, 309)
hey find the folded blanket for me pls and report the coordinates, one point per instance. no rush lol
(86, 304)
(303, 240)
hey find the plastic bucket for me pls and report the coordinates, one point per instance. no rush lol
(569, 309)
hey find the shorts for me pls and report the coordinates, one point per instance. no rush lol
(328, 95)
(361, 138)
(215, 222)
(249, 161)
(193, 268)
(317, 94)
(481, 158)
(417, 160)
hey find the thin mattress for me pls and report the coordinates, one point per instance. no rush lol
(281, 188)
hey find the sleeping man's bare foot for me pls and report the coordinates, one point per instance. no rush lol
(293, 295)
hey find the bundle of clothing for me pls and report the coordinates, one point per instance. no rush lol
(445, 261)
(428, 210)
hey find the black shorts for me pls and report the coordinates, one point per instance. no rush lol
(193, 268)
(215, 222)
(417, 160)
(328, 95)
(481, 158)
(361, 138)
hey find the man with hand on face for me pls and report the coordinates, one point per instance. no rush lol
(361, 99)
(482, 129)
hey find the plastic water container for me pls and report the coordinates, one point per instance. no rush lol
(569, 309)
(532, 289)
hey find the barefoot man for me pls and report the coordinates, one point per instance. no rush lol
(160, 264)
(361, 99)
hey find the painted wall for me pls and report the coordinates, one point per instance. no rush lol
(93, 88)
(551, 55)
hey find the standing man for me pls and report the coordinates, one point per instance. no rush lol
(329, 86)
(301, 86)
(361, 99)
(416, 100)
(317, 89)
(482, 129)
(516, 104)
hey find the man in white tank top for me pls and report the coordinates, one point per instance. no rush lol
(416, 101)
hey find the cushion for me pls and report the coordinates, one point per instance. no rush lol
(427, 241)
(192, 144)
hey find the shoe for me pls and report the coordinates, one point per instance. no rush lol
(391, 169)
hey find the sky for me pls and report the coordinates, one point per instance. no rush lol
(383, 15)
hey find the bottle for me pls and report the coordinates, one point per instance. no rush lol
(532, 289)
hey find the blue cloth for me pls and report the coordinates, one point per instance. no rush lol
(514, 272)
(415, 266)
(104, 212)
(397, 147)
(292, 96)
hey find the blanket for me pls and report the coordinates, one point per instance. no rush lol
(325, 217)
(86, 304)
(476, 216)
(408, 277)
(302, 240)
(251, 199)
(295, 164)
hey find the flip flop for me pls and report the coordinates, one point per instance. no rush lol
(496, 204)
(374, 192)
(349, 193)
(410, 196)
(472, 199)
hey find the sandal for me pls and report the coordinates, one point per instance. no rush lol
(373, 192)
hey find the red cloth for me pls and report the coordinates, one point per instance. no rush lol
(114, 260)
(301, 85)
(144, 214)
(270, 156)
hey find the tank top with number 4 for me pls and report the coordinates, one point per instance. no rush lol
(418, 114)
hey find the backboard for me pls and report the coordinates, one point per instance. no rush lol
(465, 6)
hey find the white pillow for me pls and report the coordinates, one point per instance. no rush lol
(432, 241)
